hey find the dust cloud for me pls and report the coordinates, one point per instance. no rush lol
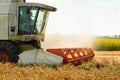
(68, 41)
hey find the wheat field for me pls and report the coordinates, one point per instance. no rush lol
(106, 69)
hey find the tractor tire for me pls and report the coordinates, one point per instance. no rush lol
(9, 52)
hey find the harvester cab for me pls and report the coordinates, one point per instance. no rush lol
(21, 23)
(22, 29)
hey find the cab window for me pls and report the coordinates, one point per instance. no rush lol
(27, 19)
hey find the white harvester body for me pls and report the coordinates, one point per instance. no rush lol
(38, 56)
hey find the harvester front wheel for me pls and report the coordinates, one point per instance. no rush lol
(8, 52)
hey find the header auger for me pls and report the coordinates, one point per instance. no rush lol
(22, 29)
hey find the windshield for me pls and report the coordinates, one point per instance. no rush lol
(41, 21)
(32, 20)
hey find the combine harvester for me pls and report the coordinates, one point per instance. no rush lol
(22, 29)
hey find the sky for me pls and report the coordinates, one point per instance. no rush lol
(83, 17)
